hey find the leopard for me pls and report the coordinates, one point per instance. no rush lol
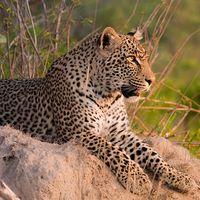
(83, 97)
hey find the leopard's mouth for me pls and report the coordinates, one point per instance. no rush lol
(130, 91)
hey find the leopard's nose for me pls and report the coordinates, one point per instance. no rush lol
(148, 74)
(150, 80)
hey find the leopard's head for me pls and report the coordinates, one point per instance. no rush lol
(125, 63)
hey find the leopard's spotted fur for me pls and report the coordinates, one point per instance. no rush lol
(82, 97)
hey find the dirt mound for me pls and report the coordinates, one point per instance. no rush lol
(40, 171)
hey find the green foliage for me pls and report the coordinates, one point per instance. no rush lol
(2, 39)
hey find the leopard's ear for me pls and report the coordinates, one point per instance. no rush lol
(109, 39)
(137, 34)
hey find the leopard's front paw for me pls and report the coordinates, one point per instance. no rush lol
(141, 185)
(138, 182)
(182, 182)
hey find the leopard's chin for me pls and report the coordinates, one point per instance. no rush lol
(129, 91)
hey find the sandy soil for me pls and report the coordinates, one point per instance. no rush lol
(40, 171)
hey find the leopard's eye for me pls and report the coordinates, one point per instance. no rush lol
(133, 59)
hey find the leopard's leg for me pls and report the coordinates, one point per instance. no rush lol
(149, 159)
(128, 172)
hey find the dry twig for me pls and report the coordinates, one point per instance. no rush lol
(6, 193)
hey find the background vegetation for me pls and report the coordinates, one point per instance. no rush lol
(35, 32)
